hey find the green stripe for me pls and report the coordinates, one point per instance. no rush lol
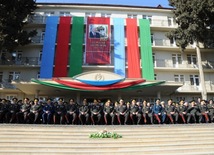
(76, 49)
(146, 50)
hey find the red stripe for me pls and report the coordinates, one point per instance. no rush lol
(79, 85)
(62, 49)
(133, 54)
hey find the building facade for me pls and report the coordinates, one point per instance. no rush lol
(132, 31)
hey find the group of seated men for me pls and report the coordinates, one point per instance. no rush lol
(119, 112)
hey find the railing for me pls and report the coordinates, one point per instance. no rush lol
(163, 23)
(27, 61)
(6, 83)
(184, 64)
(36, 39)
(37, 19)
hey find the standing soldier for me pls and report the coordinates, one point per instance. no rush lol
(147, 112)
(203, 112)
(122, 112)
(84, 112)
(210, 107)
(21, 116)
(13, 108)
(59, 112)
(108, 111)
(96, 109)
(35, 112)
(71, 114)
(48, 110)
(171, 113)
(3, 110)
(135, 112)
(182, 110)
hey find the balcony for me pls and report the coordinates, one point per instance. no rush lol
(37, 40)
(6, 84)
(163, 23)
(169, 64)
(23, 61)
(37, 19)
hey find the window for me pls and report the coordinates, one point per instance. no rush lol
(105, 15)
(11, 96)
(90, 14)
(194, 80)
(152, 38)
(153, 58)
(38, 75)
(179, 78)
(64, 13)
(170, 21)
(1, 76)
(172, 42)
(42, 36)
(155, 76)
(148, 17)
(176, 59)
(191, 59)
(132, 16)
(48, 13)
(13, 76)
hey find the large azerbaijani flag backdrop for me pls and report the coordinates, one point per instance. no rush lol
(63, 49)
(98, 40)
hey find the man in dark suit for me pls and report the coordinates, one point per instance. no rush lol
(94, 33)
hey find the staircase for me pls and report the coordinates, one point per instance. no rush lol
(142, 139)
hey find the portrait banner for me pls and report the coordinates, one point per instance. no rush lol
(98, 40)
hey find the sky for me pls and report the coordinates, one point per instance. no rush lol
(150, 3)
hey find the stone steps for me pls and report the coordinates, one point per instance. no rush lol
(144, 139)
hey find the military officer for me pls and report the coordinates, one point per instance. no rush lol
(171, 112)
(210, 107)
(135, 112)
(96, 114)
(13, 108)
(59, 112)
(71, 114)
(35, 112)
(48, 110)
(147, 112)
(203, 112)
(182, 110)
(108, 111)
(22, 115)
(122, 112)
(84, 110)
(3, 110)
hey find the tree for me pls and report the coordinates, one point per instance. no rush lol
(13, 18)
(195, 19)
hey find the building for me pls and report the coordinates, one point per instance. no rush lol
(64, 27)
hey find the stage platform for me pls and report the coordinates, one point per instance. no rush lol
(191, 139)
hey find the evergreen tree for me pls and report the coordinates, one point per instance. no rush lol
(195, 19)
(13, 18)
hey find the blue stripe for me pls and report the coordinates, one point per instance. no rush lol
(119, 47)
(46, 70)
(100, 83)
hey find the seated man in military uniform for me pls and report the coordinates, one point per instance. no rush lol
(147, 112)
(122, 112)
(135, 112)
(13, 108)
(84, 112)
(96, 114)
(59, 112)
(35, 112)
(21, 116)
(48, 110)
(71, 114)
(108, 111)
(3, 110)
